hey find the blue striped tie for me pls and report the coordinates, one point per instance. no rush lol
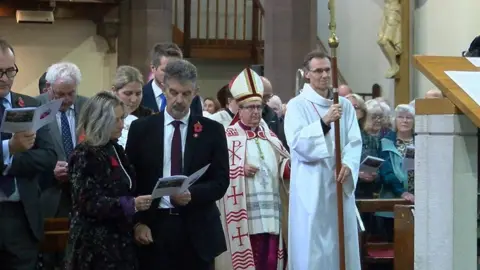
(66, 135)
(164, 102)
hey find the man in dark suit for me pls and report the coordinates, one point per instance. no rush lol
(153, 96)
(42, 84)
(184, 231)
(27, 156)
(62, 80)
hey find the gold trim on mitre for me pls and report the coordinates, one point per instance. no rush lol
(247, 87)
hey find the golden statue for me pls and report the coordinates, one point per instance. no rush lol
(390, 35)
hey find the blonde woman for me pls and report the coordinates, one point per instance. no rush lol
(103, 186)
(127, 85)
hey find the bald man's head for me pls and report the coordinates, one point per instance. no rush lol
(267, 89)
(344, 90)
(434, 93)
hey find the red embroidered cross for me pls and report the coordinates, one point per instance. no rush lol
(239, 236)
(231, 132)
(236, 145)
(234, 195)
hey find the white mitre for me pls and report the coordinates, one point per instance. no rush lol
(247, 87)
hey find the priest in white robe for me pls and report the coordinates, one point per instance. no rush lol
(259, 164)
(313, 231)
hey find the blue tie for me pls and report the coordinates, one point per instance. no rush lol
(164, 102)
(66, 135)
(7, 183)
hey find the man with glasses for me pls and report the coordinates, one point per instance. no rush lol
(259, 163)
(27, 157)
(62, 80)
(309, 121)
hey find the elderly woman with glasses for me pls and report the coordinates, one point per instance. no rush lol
(396, 181)
(369, 118)
(102, 186)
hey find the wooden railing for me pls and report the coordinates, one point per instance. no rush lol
(235, 25)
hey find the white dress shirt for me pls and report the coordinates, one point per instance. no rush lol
(157, 91)
(167, 149)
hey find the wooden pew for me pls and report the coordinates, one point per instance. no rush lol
(56, 235)
(404, 237)
(376, 253)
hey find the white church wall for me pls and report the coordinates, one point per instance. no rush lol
(436, 31)
(360, 59)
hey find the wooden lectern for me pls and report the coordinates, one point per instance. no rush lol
(446, 166)
(56, 235)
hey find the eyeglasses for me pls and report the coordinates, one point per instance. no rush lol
(10, 72)
(405, 118)
(320, 70)
(251, 108)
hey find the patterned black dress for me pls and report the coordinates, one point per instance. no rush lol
(103, 208)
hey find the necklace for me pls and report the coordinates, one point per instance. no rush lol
(257, 142)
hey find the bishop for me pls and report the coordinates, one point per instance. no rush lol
(259, 164)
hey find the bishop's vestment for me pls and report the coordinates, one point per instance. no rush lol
(313, 231)
(252, 205)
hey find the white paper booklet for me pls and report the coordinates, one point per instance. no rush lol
(468, 81)
(474, 60)
(371, 164)
(30, 118)
(409, 160)
(176, 184)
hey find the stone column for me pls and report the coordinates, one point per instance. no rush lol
(290, 33)
(149, 22)
(445, 187)
(455, 35)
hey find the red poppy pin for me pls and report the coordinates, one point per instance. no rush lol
(197, 128)
(114, 162)
(20, 102)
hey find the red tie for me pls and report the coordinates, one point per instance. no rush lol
(176, 154)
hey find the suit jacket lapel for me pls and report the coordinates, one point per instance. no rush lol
(14, 99)
(149, 97)
(190, 144)
(157, 142)
(76, 110)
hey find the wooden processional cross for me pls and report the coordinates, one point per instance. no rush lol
(446, 165)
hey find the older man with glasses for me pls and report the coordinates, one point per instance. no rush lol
(27, 157)
(258, 165)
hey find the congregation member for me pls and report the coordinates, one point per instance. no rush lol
(434, 93)
(127, 86)
(62, 81)
(229, 105)
(184, 231)
(27, 158)
(153, 95)
(313, 229)
(259, 164)
(368, 118)
(268, 114)
(396, 181)
(42, 83)
(210, 105)
(103, 183)
(344, 90)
